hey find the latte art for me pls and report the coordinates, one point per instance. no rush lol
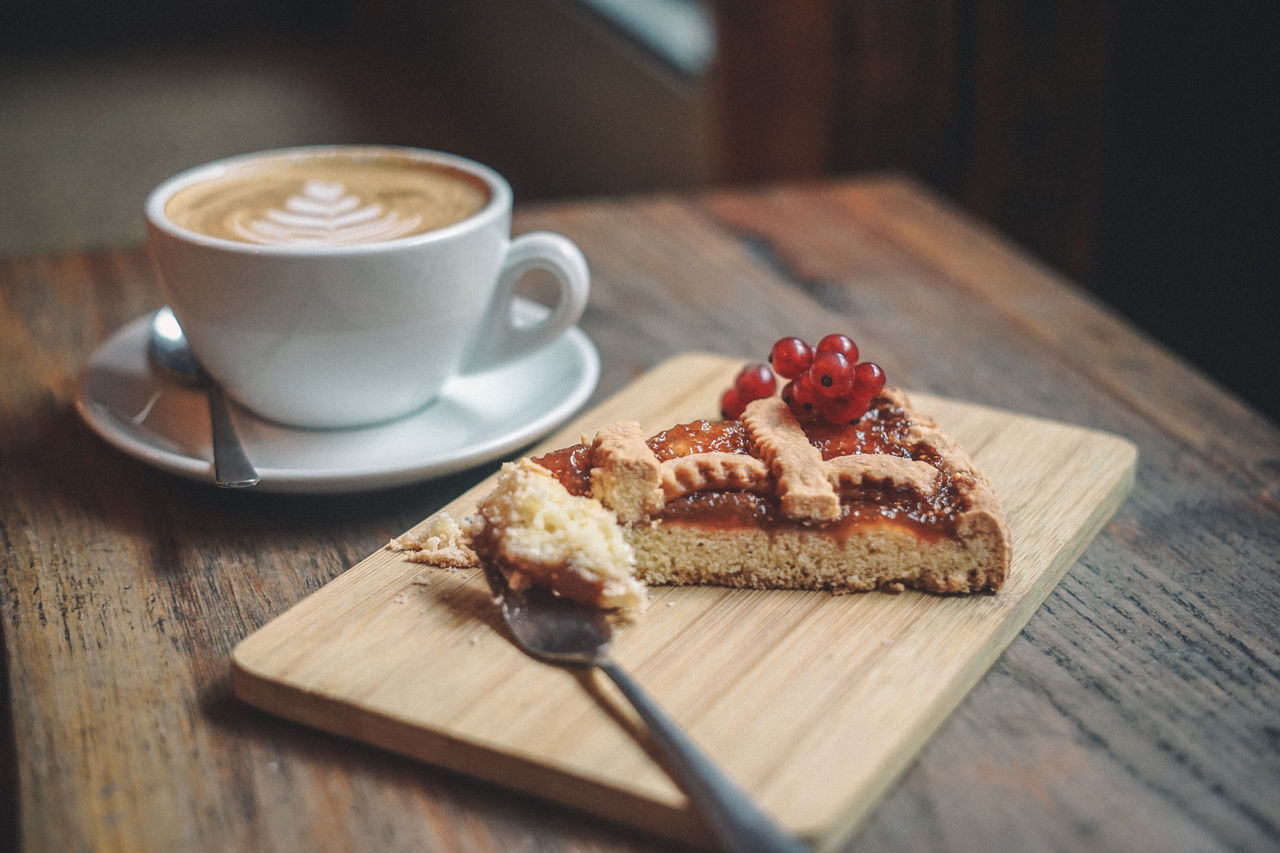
(324, 212)
(327, 200)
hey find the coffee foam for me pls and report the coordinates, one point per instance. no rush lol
(327, 200)
(324, 212)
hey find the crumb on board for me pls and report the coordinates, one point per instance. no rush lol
(437, 541)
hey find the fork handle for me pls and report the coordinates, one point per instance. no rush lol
(736, 821)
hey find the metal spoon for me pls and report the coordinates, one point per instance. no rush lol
(562, 632)
(169, 350)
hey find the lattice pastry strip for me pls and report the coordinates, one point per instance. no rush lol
(804, 492)
(713, 470)
(852, 471)
(625, 474)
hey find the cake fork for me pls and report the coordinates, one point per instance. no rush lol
(564, 632)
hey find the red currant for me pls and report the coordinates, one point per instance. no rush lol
(790, 357)
(841, 410)
(755, 381)
(789, 397)
(800, 407)
(802, 389)
(838, 343)
(800, 396)
(868, 379)
(732, 405)
(832, 374)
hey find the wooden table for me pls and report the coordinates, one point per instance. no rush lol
(1138, 710)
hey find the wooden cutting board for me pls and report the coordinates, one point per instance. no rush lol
(814, 703)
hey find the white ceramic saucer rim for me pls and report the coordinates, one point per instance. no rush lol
(574, 346)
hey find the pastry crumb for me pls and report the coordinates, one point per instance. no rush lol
(438, 541)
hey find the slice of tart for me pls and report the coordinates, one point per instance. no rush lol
(775, 497)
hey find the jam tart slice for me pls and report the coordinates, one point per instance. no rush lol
(763, 501)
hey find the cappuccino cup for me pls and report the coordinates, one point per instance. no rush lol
(342, 286)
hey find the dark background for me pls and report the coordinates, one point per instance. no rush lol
(1188, 232)
(1128, 144)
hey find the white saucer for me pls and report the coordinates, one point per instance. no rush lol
(478, 418)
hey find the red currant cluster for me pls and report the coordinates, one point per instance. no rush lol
(826, 380)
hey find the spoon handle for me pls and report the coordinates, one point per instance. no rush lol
(737, 822)
(231, 467)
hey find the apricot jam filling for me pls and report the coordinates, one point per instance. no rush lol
(882, 431)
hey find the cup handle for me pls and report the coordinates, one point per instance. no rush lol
(501, 338)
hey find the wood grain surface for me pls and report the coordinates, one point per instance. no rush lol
(813, 702)
(1136, 710)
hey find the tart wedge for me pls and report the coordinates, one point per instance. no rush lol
(770, 499)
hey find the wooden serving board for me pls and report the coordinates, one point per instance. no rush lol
(814, 703)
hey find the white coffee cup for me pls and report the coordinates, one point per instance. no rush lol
(325, 286)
